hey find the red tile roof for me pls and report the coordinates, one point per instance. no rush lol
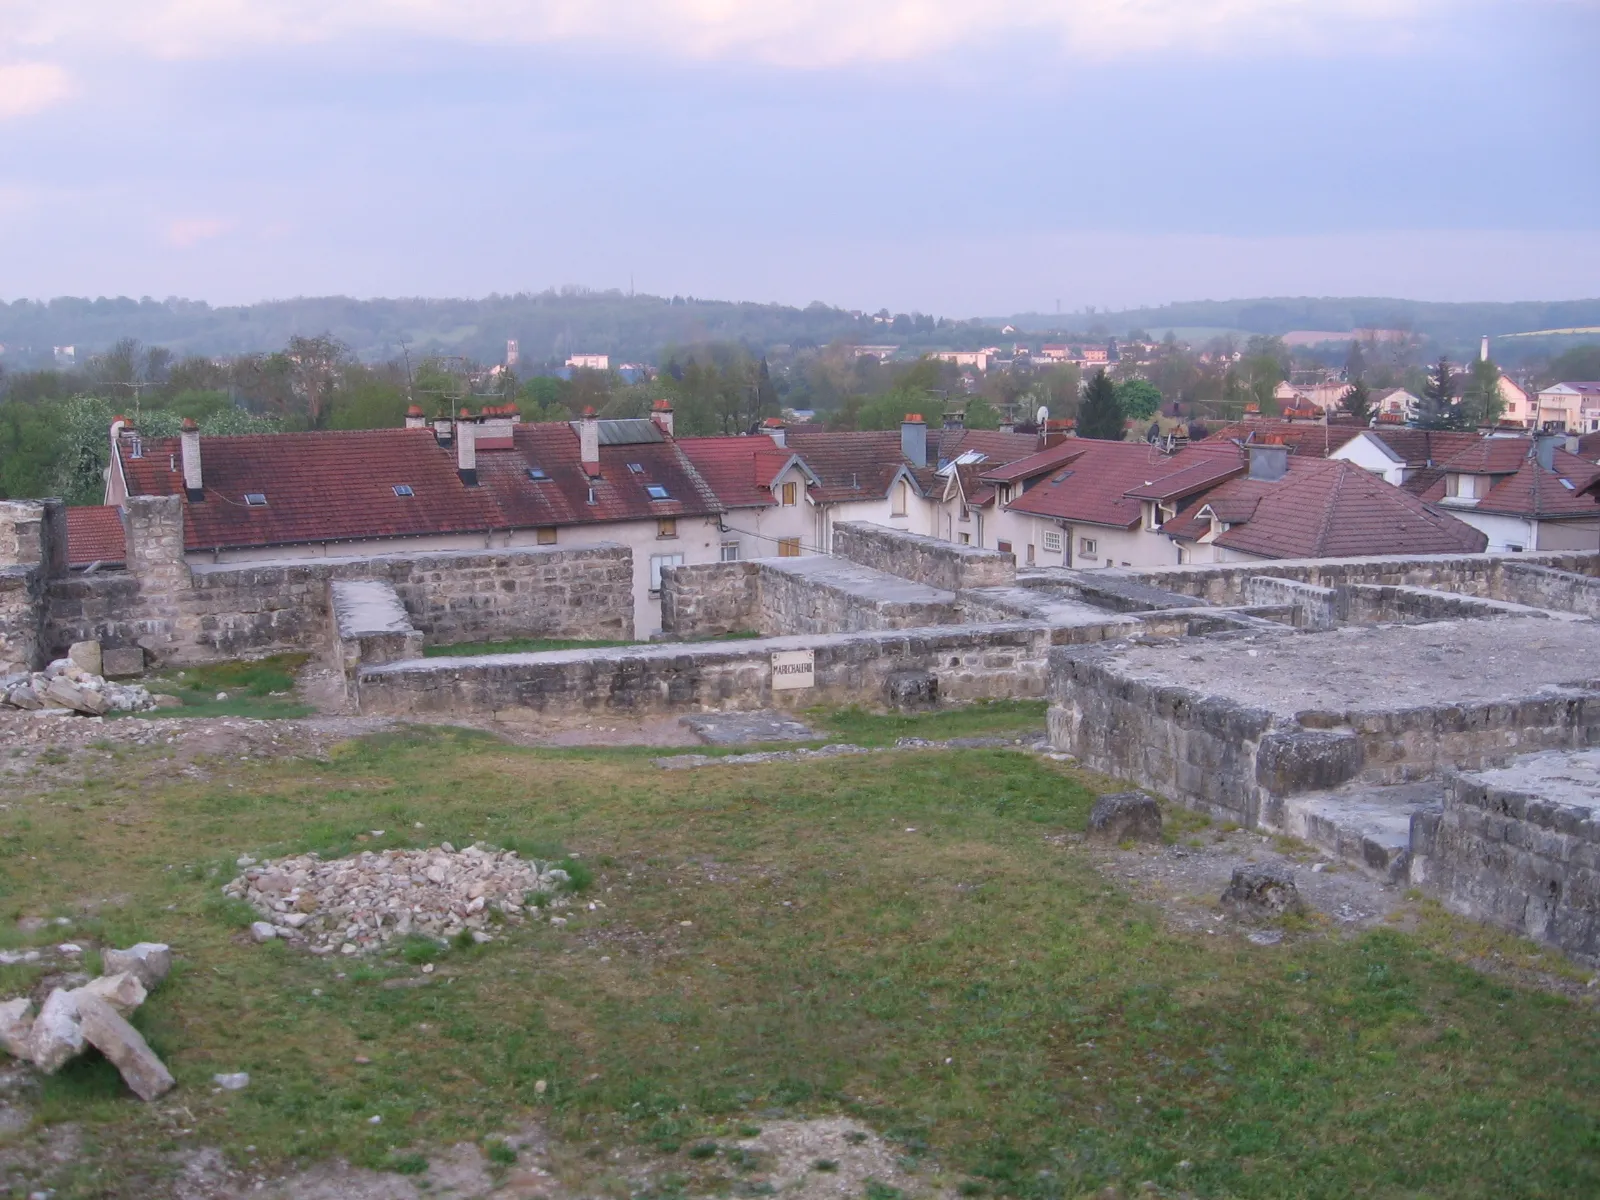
(339, 486)
(860, 465)
(740, 470)
(94, 534)
(1324, 508)
(1038, 462)
(1423, 447)
(1530, 490)
(1097, 485)
(1489, 456)
(1302, 438)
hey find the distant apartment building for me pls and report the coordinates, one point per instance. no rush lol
(589, 362)
(1571, 407)
(977, 359)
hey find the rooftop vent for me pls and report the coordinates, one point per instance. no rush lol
(403, 489)
(656, 492)
(255, 499)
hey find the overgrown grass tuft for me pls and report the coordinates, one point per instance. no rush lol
(261, 688)
(986, 718)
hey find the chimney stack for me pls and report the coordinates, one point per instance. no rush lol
(192, 480)
(1544, 450)
(467, 450)
(589, 444)
(773, 428)
(914, 440)
(1268, 460)
(661, 414)
(415, 419)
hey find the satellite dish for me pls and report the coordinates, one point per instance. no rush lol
(1043, 415)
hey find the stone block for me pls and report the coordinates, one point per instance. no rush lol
(1125, 817)
(86, 656)
(123, 662)
(1258, 891)
(910, 689)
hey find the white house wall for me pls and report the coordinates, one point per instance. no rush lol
(1365, 454)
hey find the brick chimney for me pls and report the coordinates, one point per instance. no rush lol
(914, 440)
(467, 449)
(415, 419)
(589, 444)
(773, 428)
(189, 438)
(661, 414)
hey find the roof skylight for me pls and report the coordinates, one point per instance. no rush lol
(537, 474)
(255, 499)
(403, 489)
(656, 492)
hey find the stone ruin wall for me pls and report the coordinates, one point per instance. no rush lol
(33, 552)
(927, 560)
(971, 662)
(183, 614)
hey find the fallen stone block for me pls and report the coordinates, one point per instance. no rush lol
(16, 1023)
(262, 931)
(1262, 891)
(122, 663)
(56, 1037)
(1125, 817)
(23, 696)
(149, 961)
(120, 1042)
(122, 991)
(85, 656)
(63, 693)
(912, 689)
(165, 701)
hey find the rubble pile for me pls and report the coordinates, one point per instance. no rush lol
(72, 1019)
(65, 687)
(359, 903)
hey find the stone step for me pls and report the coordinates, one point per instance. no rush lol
(1365, 826)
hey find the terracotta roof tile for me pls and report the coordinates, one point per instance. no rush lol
(1096, 485)
(1303, 438)
(1324, 508)
(339, 486)
(94, 534)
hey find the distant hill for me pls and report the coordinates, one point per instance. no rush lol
(550, 325)
(1455, 328)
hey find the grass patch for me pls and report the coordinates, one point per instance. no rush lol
(893, 938)
(261, 688)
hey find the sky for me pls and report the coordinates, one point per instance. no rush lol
(943, 156)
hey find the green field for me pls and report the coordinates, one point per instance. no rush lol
(908, 938)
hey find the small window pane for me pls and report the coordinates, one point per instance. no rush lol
(656, 492)
(403, 489)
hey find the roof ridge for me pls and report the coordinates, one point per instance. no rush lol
(1323, 531)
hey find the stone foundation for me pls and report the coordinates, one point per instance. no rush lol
(946, 565)
(970, 662)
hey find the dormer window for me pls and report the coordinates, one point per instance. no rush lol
(255, 499)
(403, 489)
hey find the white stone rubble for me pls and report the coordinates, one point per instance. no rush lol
(65, 687)
(356, 904)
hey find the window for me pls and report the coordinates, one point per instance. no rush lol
(1088, 547)
(656, 492)
(1030, 554)
(791, 494)
(730, 551)
(1003, 547)
(546, 535)
(537, 474)
(1052, 541)
(966, 539)
(403, 489)
(902, 495)
(966, 513)
(1005, 493)
(788, 547)
(255, 499)
(667, 527)
(636, 468)
(657, 561)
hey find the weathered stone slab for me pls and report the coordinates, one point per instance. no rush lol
(123, 662)
(16, 1027)
(120, 1042)
(1125, 817)
(1262, 891)
(150, 962)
